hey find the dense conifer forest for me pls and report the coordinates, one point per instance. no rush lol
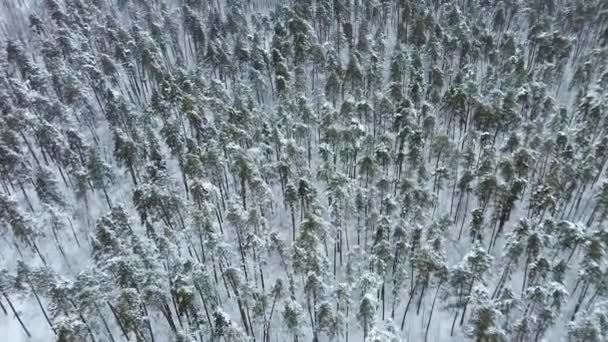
(293, 170)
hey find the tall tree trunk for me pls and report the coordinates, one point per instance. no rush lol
(27, 332)
(454, 322)
(27, 199)
(523, 283)
(105, 323)
(420, 299)
(293, 223)
(46, 316)
(105, 193)
(3, 308)
(426, 333)
(407, 306)
(117, 318)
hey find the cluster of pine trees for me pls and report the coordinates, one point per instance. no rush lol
(325, 170)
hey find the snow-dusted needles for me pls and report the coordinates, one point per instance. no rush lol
(327, 170)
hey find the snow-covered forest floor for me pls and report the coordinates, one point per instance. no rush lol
(327, 170)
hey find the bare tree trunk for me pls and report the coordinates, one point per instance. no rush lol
(42, 307)
(407, 306)
(27, 199)
(27, 332)
(454, 322)
(426, 334)
(523, 284)
(293, 223)
(3, 308)
(122, 328)
(420, 299)
(105, 323)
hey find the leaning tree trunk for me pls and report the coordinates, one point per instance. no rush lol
(426, 333)
(407, 306)
(27, 332)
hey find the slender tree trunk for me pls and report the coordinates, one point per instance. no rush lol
(454, 322)
(27, 332)
(86, 324)
(407, 306)
(464, 217)
(29, 147)
(293, 223)
(46, 316)
(3, 308)
(501, 280)
(74, 232)
(33, 243)
(105, 323)
(27, 199)
(166, 311)
(148, 324)
(466, 304)
(383, 299)
(420, 299)
(105, 193)
(426, 333)
(580, 300)
(523, 283)
(464, 311)
(117, 318)
(453, 192)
